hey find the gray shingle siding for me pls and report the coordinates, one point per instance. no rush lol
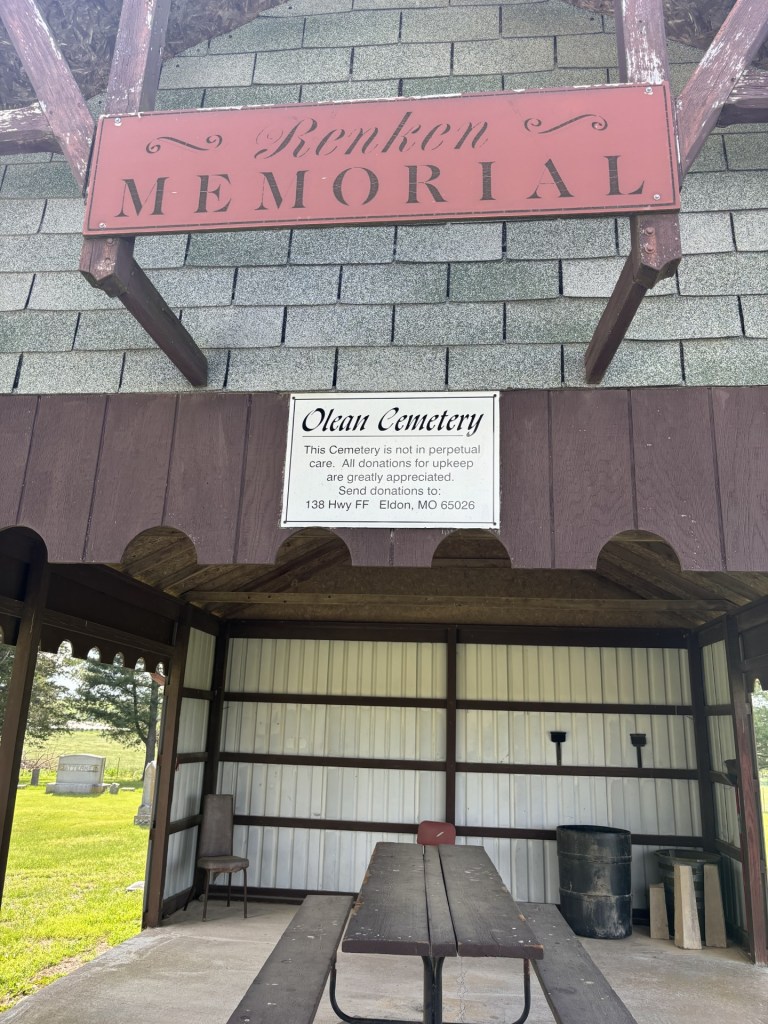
(418, 306)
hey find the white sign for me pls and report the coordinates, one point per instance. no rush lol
(393, 460)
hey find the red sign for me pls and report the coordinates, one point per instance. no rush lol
(595, 150)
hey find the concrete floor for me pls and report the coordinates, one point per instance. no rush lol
(190, 972)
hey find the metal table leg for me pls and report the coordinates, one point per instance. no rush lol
(433, 996)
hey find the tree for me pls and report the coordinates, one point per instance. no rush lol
(760, 722)
(123, 702)
(50, 708)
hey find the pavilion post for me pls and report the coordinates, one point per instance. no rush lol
(748, 788)
(166, 776)
(19, 696)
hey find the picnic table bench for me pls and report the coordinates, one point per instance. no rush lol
(288, 988)
(574, 986)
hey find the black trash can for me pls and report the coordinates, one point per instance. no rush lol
(596, 880)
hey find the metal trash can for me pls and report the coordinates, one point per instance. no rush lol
(595, 865)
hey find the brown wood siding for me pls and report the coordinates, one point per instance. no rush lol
(133, 470)
(577, 468)
(260, 535)
(17, 417)
(591, 473)
(740, 418)
(58, 485)
(669, 465)
(525, 479)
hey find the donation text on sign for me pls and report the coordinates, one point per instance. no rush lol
(392, 460)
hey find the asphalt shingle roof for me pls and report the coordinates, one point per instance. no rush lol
(470, 305)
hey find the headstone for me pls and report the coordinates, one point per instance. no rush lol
(79, 773)
(114, 787)
(144, 814)
(658, 908)
(35, 780)
(687, 932)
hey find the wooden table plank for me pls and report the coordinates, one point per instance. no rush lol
(441, 934)
(486, 919)
(390, 915)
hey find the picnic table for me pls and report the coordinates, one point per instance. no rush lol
(436, 902)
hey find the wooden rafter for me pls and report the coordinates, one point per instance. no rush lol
(704, 96)
(656, 250)
(748, 101)
(57, 91)
(107, 264)
(26, 130)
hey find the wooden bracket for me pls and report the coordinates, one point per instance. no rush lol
(656, 251)
(62, 120)
(703, 103)
(108, 263)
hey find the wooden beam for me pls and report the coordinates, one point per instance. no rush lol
(55, 87)
(748, 786)
(26, 130)
(656, 251)
(734, 47)
(166, 777)
(748, 101)
(610, 604)
(18, 698)
(108, 263)
(134, 75)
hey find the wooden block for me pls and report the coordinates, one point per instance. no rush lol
(658, 908)
(714, 918)
(687, 932)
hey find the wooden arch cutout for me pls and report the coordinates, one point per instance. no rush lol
(722, 90)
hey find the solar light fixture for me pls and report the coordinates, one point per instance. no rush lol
(558, 738)
(639, 740)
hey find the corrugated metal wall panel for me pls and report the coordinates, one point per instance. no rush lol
(726, 816)
(308, 859)
(193, 725)
(337, 794)
(645, 806)
(334, 730)
(337, 667)
(722, 741)
(180, 864)
(188, 778)
(298, 857)
(573, 674)
(522, 737)
(715, 667)
(200, 654)
(187, 791)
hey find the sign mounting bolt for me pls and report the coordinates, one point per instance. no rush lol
(657, 196)
(648, 91)
(118, 121)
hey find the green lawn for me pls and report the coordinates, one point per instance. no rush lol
(71, 859)
(124, 764)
